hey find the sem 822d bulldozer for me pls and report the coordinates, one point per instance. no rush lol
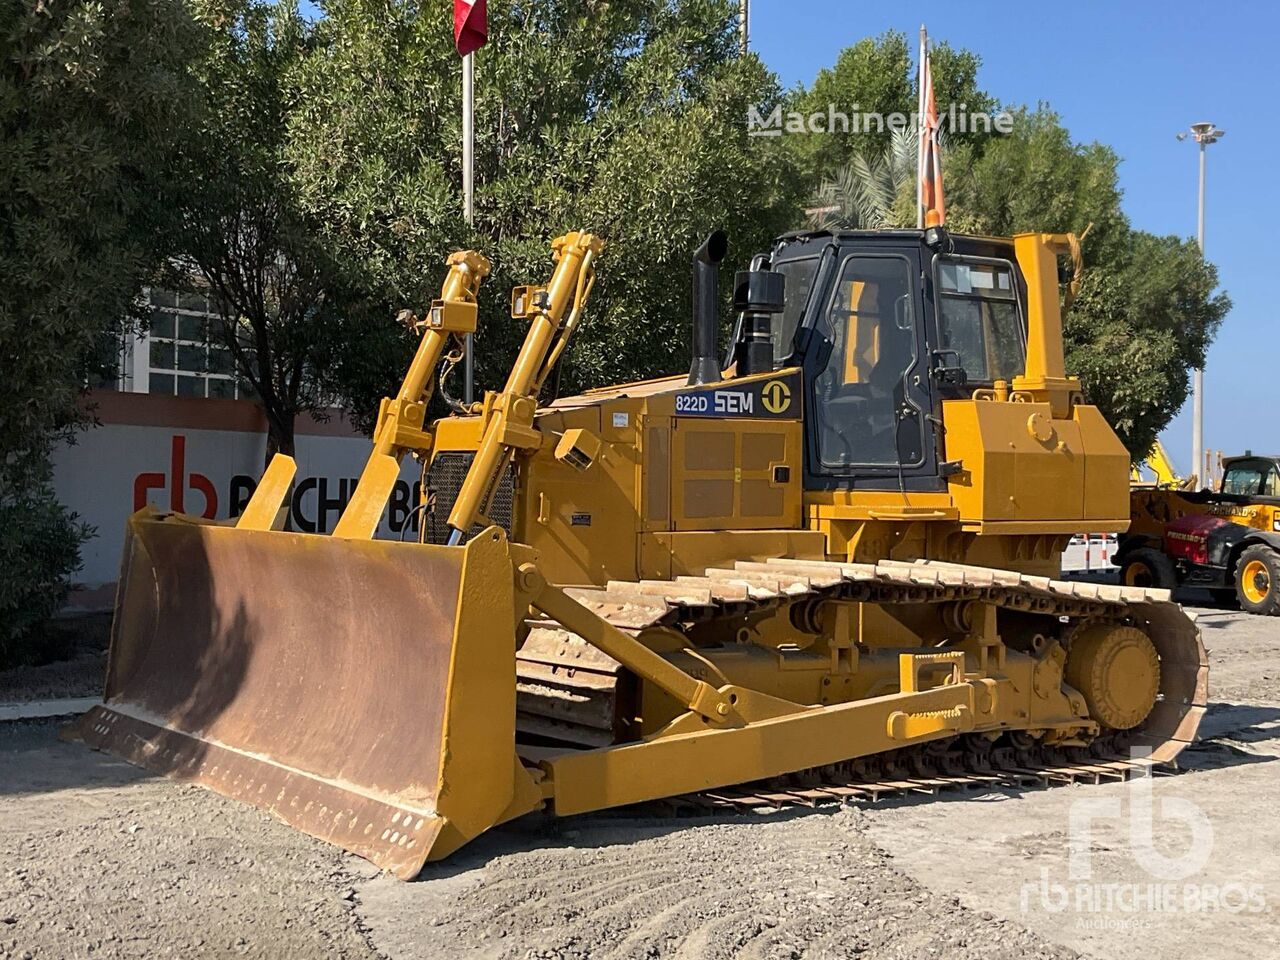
(832, 550)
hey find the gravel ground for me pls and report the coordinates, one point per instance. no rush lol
(100, 860)
(790, 885)
(1024, 842)
(81, 677)
(1244, 653)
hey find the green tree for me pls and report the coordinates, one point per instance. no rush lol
(1147, 309)
(93, 106)
(1038, 178)
(629, 121)
(1140, 323)
(244, 238)
(878, 75)
(870, 192)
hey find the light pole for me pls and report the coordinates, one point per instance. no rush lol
(1204, 134)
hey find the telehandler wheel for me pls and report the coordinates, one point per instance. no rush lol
(1257, 579)
(1148, 567)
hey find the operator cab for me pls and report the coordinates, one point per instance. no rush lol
(886, 325)
(1252, 477)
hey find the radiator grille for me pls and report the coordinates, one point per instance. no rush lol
(444, 479)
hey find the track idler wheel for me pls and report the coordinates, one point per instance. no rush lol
(1117, 671)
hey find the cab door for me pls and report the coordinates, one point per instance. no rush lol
(865, 365)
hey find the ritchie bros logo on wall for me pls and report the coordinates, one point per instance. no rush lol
(315, 507)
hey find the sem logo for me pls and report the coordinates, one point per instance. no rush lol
(733, 401)
(177, 478)
(776, 396)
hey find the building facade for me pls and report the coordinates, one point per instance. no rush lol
(180, 431)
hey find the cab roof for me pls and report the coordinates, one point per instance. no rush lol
(897, 233)
(810, 242)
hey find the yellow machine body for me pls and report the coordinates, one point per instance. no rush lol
(698, 490)
(1163, 474)
(665, 587)
(1249, 496)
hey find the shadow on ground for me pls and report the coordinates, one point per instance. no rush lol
(34, 760)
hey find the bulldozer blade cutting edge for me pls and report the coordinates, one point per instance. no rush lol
(321, 680)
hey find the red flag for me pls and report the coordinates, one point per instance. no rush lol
(470, 25)
(931, 198)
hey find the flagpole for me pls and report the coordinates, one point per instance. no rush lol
(468, 193)
(920, 133)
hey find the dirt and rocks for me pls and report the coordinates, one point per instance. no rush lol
(792, 884)
(1209, 878)
(99, 860)
(80, 677)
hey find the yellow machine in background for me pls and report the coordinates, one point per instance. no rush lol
(1224, 540)
(828, 555)
(1164, 474)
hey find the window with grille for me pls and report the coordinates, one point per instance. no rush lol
(187, 352)
(978, 318)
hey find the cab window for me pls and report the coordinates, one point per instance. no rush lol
(870, 347)
(978, 318)
(799, 274)
(1252, 478)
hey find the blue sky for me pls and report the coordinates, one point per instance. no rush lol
(1126, 75)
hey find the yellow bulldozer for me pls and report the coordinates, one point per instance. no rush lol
(826, 554)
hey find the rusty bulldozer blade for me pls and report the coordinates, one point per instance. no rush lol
(361, 691)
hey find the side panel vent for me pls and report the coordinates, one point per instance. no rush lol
(444, 479)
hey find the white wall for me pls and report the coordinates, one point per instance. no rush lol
(113, 469)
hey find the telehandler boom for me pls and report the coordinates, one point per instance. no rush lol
(828, 555)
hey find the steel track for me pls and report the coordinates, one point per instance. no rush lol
(566, 688)
(959, 772)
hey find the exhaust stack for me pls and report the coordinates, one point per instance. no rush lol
(705, 367)
(757, 295)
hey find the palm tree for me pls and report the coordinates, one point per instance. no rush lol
(870, 192)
